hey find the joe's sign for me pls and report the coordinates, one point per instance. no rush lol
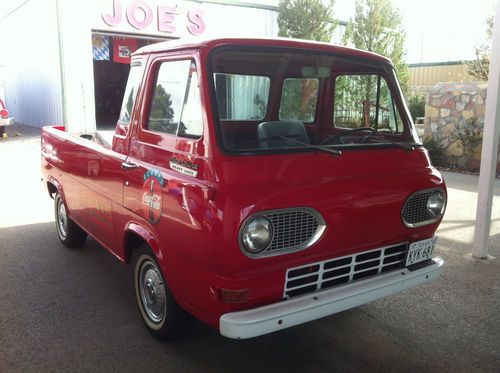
(167, 18)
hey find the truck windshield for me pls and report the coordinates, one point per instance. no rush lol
(287, 100)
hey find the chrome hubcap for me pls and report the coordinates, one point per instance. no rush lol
(152, 291)
(62, 219)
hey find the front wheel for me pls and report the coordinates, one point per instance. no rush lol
(70, 234)
(165, 319)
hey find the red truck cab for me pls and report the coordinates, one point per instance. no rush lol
(254, 185)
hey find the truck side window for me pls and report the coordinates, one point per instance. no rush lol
(175, 107)
(298, 99)
(134, 78)
(365, 100)
(191, 124)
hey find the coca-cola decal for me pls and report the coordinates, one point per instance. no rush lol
(152, 196)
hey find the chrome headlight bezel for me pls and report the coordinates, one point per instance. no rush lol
(432, 218)
(436, 198)
(255, 222)
(277, 245)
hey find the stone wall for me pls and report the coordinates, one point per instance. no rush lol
(454, 121)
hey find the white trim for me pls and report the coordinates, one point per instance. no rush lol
(62, 76)
(489, 153)
(352, 265)
(244, 4)
(267, 319)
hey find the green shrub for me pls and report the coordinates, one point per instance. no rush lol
(417, 106)
(436, 152)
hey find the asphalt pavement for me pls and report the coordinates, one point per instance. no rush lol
(74, 310)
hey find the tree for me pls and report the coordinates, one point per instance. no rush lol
(416, 105)
(162, 105)
(479, 67)
(298, 99)
(306, 19)
(377, 27)
(162, 112)
(310, 20)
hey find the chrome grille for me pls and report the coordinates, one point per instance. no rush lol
(291, 228)
(294, 229)
(322, 275)
(415, 211)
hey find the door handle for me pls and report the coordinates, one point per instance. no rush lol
(129, 166)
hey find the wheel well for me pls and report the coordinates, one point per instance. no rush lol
(132, 242)
(51, 188)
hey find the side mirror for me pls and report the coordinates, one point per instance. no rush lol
(121, 130)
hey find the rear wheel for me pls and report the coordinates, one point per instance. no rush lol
(165, 319)
(70, 234)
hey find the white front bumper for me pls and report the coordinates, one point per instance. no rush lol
(298, 310)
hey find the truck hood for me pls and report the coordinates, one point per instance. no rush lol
(359, 194)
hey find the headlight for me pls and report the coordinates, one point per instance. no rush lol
(257, 234)
(424, 207)
(435, 204)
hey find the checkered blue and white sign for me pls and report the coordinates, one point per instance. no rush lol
(100, 47)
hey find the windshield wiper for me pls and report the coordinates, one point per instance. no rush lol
(331, 151)
(405, 146)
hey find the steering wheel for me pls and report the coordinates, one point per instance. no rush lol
(336, 135)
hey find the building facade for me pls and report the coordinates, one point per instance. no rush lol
(424, 76)
(66, 61)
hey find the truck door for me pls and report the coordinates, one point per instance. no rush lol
(167, 180)
(122, 135)
(101, 202)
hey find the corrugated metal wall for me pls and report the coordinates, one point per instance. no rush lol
(429, 75)
(33, 81)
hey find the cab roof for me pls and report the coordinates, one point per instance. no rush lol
(192, 43)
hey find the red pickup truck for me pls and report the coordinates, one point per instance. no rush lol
(254, 185)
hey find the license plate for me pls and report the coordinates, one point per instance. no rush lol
(420, 251)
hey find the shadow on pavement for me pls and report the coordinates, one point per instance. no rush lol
(459, 224)
(75, 310)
